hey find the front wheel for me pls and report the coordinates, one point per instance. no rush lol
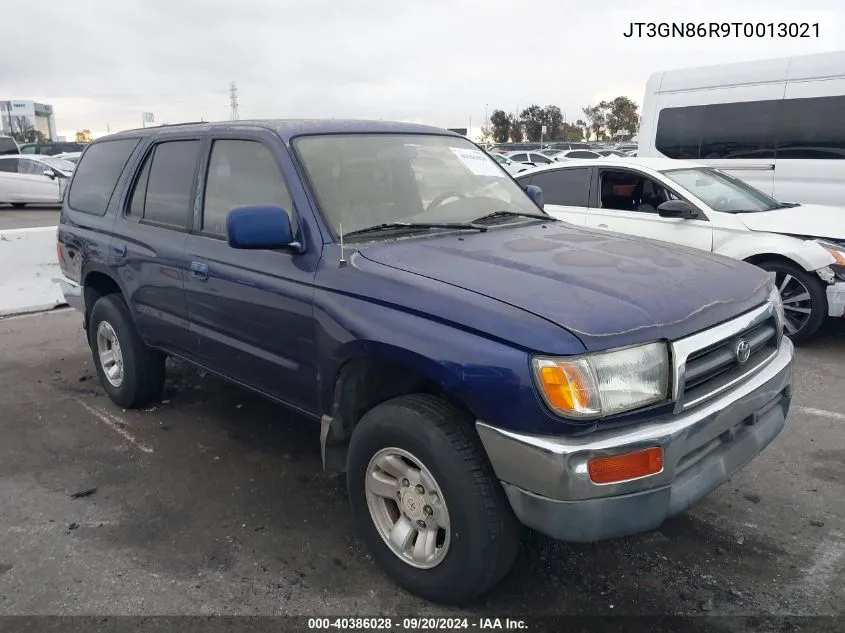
(804, 299)
(426, 501)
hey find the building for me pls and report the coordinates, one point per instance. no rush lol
(27, 116)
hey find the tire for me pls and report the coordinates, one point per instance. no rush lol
(794, 282)
(142, 371)
(482, 539)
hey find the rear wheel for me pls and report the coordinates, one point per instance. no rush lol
(426, 501)
(804, 299)
(131, 374)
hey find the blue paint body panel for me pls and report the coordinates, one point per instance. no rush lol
(464, 310)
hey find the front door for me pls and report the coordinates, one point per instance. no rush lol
(626, 201)
(251, 311)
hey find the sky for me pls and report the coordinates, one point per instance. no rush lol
(102, 63)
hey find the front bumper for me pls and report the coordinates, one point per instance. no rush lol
(72, 292)
(549, 489)
(836, 299)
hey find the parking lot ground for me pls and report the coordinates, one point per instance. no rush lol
(27, 217)
(213, 502)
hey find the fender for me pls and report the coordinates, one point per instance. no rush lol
(806, 253)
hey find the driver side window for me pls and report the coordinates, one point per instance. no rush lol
(628, 191)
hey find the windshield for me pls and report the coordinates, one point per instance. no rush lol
(722, 192)
(362, 180)
(58, 163)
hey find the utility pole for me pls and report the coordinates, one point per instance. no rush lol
(234, 115)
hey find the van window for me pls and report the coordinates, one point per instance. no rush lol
(8, 145)
(679, 132)
(241, 173)
(97, 173)
(740, 130)
(565, 187)
(171, 182)
(812, 128)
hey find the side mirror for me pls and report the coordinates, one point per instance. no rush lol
(259, 228)
(677, 209)
(536, 194)
(49, 173)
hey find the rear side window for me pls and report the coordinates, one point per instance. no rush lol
(740, 130)
(162, 193)
(581, 154)
(679, 132)
(241, 173)
(97, 174)
(565, 187)
(519, 158)
(9, 165)
(812, 128)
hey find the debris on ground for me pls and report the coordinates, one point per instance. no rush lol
(83, 493)
(816, 523)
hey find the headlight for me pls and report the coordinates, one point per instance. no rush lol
(597, 385)
(837, 251)
(777, 302)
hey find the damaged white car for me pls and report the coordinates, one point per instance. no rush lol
(801, 245)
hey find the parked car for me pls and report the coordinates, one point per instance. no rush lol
(576, 154)
(8, 145)
(801, 245)
(472, 361)
(610, 152)
(51, 149)
(530, 159)
(33, 179)
(509, 165)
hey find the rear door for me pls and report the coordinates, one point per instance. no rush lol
(566, 192)
(251, 310)
(148, 249)
(9, 180)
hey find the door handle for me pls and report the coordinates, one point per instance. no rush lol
(199, 271)
(119, 249)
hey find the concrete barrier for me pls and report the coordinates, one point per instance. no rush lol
(28, 264)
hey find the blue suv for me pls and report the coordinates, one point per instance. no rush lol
(474, 363)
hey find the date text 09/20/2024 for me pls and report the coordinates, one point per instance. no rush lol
(415, 624)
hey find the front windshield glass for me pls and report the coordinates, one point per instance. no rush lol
(58, 163)
(363, 180)
(722, 192)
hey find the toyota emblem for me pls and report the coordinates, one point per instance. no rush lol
(742, 351)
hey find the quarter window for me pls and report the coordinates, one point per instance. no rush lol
(241, 173)
(97, 173)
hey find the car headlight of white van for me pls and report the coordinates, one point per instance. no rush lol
(604, 383)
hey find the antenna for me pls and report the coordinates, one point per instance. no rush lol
(234, 115)
(342, 261)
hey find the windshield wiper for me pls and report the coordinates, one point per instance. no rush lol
(502, 214)
(414, 226)
(784, 205)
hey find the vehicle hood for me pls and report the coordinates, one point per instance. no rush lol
(811, 220)
(606, 289)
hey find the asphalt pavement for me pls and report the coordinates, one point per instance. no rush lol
(28, 216)
(213, 502)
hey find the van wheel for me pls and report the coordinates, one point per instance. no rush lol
(804, 299)
(131, 374)
(426, 501)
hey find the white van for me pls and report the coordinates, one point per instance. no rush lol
(778, 124)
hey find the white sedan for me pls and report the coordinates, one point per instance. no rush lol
(33, 179)
(801, 245)
(510, 166)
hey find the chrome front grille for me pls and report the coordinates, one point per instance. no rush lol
(711, 362)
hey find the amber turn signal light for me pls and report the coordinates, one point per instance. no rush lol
(613, 468)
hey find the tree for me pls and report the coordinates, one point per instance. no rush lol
(583, 128)
(83, 136)
(516, 131)
(24, 132)
(597, 117)
(533, 119)
(500, 123)
(622, 116)
(486, 133)
(555, 127)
